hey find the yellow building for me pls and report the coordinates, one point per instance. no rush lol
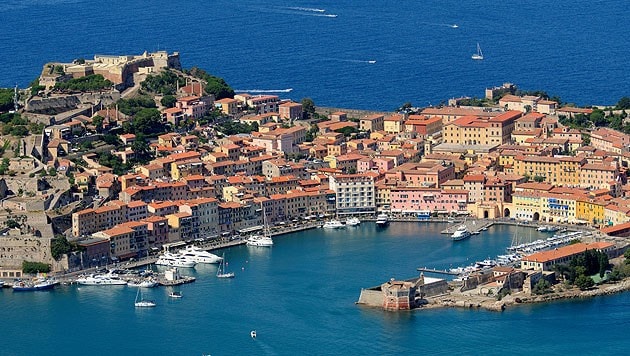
(527, 205)
(555, 170)
(558, 208)
(394, 124)
(590, 211)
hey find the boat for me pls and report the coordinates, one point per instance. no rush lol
(35, 285)
(1, 284)
(353, 222)
(108, 279)
(143, 303)
(197, 255)
(485, 264)
(547, 228)
(479, 55)
(371, 61)
(461, 233)
(174, 260)
(175, 294)
(252, 334)
(333, 224)
(382, 219)
(260, 241)
(454, 26)
(221, 272)
(146, 283)
(263, 240)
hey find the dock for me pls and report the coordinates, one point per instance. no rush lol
(176, 282)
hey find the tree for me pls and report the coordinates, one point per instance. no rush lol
(147, 121)
(539, 179)
(308, 105)
(214, 85)
(60, 246)
(35, 267)
(542, 287)
(598, 118)
(97, 121)
(584, 282)
(168, 101)
(623, 103)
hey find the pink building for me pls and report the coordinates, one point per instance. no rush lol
(415, 199)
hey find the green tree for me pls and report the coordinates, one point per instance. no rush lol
(214, 85)
(308, 105)
(584, 282)
(539, 179)
(88, 83)
(147, 121)
(12, 224)
(97, 121)
(60, 246)
(168, 101)
(598, 118)
(6, 99)
(35, 267)
(542, 287)
(623, 103)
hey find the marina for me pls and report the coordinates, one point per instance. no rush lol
(284, 281)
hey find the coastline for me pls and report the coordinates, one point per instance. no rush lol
(470, 301)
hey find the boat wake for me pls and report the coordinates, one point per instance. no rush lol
(307, 9)
(370, 61)
(288, 90)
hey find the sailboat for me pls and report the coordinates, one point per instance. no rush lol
(221, 273)
(265, 239)
(142, 303)
(479, 55)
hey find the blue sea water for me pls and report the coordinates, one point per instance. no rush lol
(576, 49)
(299, 296)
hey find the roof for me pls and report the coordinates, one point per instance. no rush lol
(566, 251)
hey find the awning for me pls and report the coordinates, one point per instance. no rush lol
(251, 229)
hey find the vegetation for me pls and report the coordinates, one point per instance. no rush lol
(164, 83)
(308, 105)
(60, 246)
(214, 85)
(233, 127)
(88, 83)
(6, 99)
(168, 101)
(35, 267)
(35, 87)
(146, 121)
(582, 266)
(132, 106)
(4, 166)
(347, 131)
(311, 133)
(115, 162)
(542, 287)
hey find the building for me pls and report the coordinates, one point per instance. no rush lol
(354, 193)
(545, 260)
(290, 111)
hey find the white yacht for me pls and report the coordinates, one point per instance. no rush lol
(353, 222)
(461, 233)
(173, 260)
(333, 224)
(382, 219)
(195, 254)
(260, 240)
(108, 279)
(146, 283)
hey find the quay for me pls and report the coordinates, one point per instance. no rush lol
(474, 226)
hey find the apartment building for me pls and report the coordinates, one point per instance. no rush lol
(417, 199)
(354, 193)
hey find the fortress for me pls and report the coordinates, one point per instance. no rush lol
(120, 70)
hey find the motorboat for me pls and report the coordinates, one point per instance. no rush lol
(174, 260)
(222, 272)
(333, 224)
(547, 228)
(1, 284)
(101, 280)
(461, 233)
(382, 219)
(487, 263)
(195, 254)
(260, 241)
(146, 283)
(34, 285)
(175, 294)
(143, 303)
(353, 222)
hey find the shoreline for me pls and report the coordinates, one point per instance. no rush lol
(455, 300)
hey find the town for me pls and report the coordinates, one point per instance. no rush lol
(110, 159)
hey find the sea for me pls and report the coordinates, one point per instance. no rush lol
(369, 54)
(300, 298)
